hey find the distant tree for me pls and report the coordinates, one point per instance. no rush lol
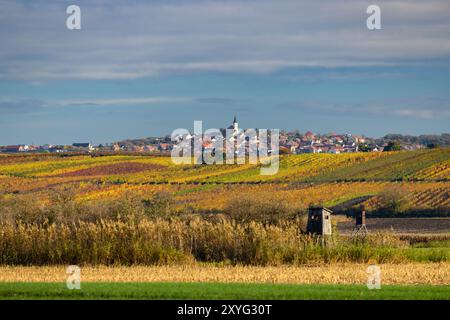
(394, 199)
(247, 207)
(432, 145)
(393, 146)
(167, 138)
(364, 147)
(425, 139)
(160, 204)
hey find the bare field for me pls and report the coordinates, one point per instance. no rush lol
(407, 274)
(399, 225)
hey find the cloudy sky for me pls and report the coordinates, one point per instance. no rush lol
(143, 68)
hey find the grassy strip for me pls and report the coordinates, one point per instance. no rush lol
(148, 290)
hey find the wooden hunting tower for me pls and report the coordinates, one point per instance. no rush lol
(319, 221)
(360, 229)
(360, 217)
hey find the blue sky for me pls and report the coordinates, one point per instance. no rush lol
(145, 68)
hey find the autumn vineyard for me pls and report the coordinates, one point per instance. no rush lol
(130, 209)
(419, 178)
(136, 214)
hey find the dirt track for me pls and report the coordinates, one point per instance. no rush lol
(400, 225)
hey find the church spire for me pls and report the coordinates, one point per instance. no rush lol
(235, 125)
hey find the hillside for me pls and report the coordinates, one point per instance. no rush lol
(420, 178)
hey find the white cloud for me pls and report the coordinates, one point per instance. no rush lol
(124, 101)
(120, 40)
(415, 108)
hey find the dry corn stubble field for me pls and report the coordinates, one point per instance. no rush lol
(349, 273)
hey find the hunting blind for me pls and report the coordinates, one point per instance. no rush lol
(319, 221)
(360, 229)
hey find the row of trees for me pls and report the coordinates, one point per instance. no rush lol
(426, 139)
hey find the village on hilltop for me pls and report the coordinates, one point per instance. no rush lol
(292, 142)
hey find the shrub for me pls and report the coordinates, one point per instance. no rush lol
(161, 204)
(394, 199)
(247, 208)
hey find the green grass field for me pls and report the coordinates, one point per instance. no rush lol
(209, 291)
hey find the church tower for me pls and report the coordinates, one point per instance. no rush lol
(235, 125)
